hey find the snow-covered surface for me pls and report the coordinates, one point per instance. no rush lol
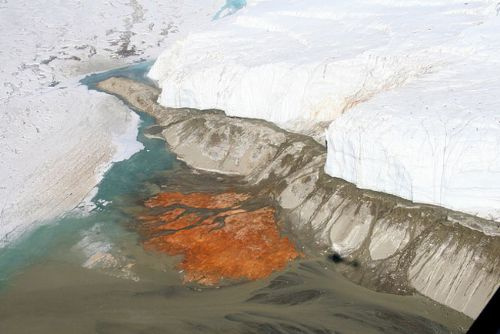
(57, 138)
(55, 150)
(415, 81)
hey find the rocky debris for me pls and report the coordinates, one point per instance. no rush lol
(401, 247)
(101, 254)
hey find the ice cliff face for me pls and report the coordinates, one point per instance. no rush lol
(436, 140)
(427, 138)
(283, 61)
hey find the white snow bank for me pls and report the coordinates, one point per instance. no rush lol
(436, 140)
(295, 62)
(51, 160)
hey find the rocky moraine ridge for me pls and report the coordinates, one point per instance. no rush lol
(400, 247)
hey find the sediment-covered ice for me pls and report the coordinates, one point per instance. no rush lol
(414, 82)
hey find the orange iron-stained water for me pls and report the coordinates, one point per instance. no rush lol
(217, 238)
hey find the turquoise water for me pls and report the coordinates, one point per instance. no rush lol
(136, 72)
(123, 178)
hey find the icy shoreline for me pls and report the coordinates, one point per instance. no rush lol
(39, 183)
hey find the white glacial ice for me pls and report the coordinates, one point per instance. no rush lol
(409, 85)
(436, 140)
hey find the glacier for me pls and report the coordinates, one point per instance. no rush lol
(407, 88)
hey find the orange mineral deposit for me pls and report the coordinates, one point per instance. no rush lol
(217, 238)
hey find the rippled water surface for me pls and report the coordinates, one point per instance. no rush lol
(90, 274)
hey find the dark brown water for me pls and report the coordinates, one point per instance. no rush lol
(58, 296)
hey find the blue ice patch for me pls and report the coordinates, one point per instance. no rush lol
(231, 7)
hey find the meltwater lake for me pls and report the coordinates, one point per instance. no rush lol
(88, 272)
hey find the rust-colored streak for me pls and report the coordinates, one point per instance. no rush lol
(231, 243)
(197, 200)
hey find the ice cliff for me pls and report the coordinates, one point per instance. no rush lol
(410, 88)
(435, 140)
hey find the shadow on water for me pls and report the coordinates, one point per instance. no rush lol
(337, 258)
